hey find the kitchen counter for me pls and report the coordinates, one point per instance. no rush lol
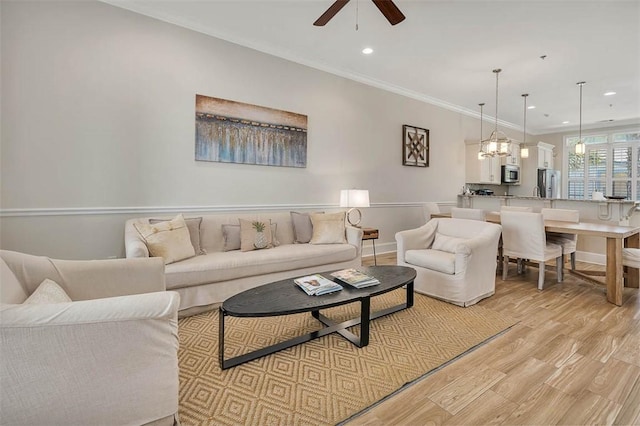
(519, 197)
(618, 211)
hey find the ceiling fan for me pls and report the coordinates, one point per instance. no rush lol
(387, 7)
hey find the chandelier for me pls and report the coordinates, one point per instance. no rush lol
(498, 144)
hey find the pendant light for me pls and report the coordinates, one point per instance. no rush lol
(580, 148)
(498, 143)
(524, 152)
(481, 153)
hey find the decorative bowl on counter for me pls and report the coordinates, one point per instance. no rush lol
(615, 197)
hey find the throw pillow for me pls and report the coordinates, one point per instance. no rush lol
(193, 225)
(446, 243)
(302, 227)
(231, 236)
(255, 235)
(47, 292)
(328, 228)
(169, 240)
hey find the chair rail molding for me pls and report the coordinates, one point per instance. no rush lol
(140, 210)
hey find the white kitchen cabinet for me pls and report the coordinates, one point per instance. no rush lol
(514, 158)
(485, 171)
(545, 155)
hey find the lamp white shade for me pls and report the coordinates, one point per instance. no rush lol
(354, 198)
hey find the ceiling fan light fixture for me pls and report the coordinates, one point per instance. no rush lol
(367, 51)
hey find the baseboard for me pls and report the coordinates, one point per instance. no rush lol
(381, 248)
(588, 257)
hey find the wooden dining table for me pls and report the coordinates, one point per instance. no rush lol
(617, 237)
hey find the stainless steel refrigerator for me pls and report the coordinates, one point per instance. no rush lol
(549, 183)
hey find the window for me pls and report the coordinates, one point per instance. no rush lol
(611, 165)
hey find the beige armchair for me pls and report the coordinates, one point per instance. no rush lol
(107, 357)
(455, 259)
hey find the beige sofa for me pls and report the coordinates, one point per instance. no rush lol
(455, 259)
(109, 356)
(211, 278)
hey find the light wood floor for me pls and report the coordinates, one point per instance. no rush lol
(572, 359)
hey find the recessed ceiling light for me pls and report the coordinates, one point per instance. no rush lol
(566, 122)
(609, 93)
(531, 107)
(367, 51)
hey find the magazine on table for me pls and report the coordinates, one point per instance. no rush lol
(355, 278)
(317, 285)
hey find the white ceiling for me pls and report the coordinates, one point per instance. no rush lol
(445, 51)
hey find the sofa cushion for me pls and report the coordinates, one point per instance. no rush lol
(169, 240)
(255, 235)
(48, 292)
(446, 243)
(328, 228)
(12, 291)
(224, 266)
(436, 260)
(193, 225)
(302, 227)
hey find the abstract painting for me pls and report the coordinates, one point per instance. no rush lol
(415, 146)
(235, 132)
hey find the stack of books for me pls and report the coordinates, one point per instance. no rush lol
(355, 278)
(317, 285)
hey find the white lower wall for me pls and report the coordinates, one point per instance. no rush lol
(99, 233)
(98, 113)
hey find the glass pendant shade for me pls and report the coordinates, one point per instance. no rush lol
(580, 148)
(524, 152)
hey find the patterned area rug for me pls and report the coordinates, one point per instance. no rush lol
(326, 380)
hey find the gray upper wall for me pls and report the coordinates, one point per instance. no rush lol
(98, 113)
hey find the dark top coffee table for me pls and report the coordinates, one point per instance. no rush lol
(285, 298)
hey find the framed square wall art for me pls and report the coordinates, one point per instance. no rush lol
(415, 146)
(235, 132)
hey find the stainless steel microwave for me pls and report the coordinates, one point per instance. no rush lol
(510, 174)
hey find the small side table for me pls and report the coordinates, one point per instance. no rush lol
(371, 234)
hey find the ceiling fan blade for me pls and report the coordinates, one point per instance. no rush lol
(330, 13)
(390, 11)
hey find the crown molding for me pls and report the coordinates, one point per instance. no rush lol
(284, 54)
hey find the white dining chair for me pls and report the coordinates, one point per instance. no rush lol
(464, 213)
(516, 209)
(631, 257)
(569, 242)
(523, 237)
